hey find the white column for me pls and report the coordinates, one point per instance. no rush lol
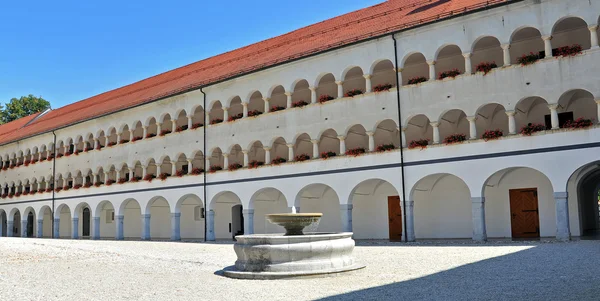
(506, 54)
(119, 221)
(190, 165)
(289, 99)
(96, 228)
(267, 106)
(9, 228)
(410, 220)
(175, 226)
(106, 141)
(403, 137)
(267, 154)
(24, 227)
(56, 227)
(315, 148)
(158, 128)
(436, 132)
(368, 86)
(478, 216)
(173, 168)
(340, 88)
(431, 70)
(173, 126)
(145, 132)
(563, 232)
(554, 115)
(346, 215)
(145, 226)
(190, 122)
(472, 127)
(225, 161)
(313, 94)
(144, 170)
(245, 152)
(399, 71)
(131, 173)
(244, 109)
(207, 164)
(118, 174)
(96, 143)
(342, 144)
(290, 152)
(119, 138)
(547, 45)
(468, 67)
(248, 221)
(598, 110)
(75, 228)
(594, 35)
(371, 141)
(40, 228)
(512, 126)
(210, 225)
(225, 114)
(105, 177)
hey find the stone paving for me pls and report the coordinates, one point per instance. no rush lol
(45, 269)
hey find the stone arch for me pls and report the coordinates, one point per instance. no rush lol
(329, 142)
(532, 110)
(181, 123)
(383, 72)
(15, 217)
(151, 128)
(578, 102)
(449, 57)
(131, 212)
(45, 214)
(64, 215)
(30, 216)
(278, 99)
(570, 30)
(267, 201)
(301, 91)
(216, 159)
(159, 211)
(279, 149)
(369, 201)
(105, 211)
(320, 198)
(216, 112)
(302, 146)
(486, 49)
(453, 122)
(191, 208)
(256, 153)
(386, 132)
(227, 208)
(236, 156)
(235, 108)
(256, 104)
(166, 124)
(491, 116)
(357, 138)
(414, 65)
(326, 86)
(353, 79)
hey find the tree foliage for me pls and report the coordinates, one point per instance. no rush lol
(21, 107)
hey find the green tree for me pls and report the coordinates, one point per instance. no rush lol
(21, 107)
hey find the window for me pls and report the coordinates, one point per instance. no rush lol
(110, 216)
(184, 168)
(198, 213)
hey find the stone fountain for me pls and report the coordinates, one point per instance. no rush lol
(276, 256)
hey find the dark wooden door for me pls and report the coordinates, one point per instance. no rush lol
(86, 222)
(30, 222)
(395, 218)
(524, 213)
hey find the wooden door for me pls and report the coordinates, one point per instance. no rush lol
(524, 213)
(395, 218)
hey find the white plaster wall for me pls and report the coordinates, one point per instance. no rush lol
(222, 219)
(329, 205)
(370, 212)
(160, 220)
(132, 220)
(262, 208)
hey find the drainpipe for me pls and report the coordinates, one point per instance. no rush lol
(205, 167)
(398, 85)
(53, 179)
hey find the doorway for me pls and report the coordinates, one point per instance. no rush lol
(524, 212)
(395, 218)
(30, 221)
(16, 225)
(85, 231)
(237, 221)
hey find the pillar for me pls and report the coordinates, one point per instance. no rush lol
(472, 127)
(267, 106)
(468, 67)
(289, 99)
(96, 228)
(225, 113)
(563, 232)
(371, 141)
(119, 220)
(436, 132)
(368, 85)
(346, 214)
(248, 221)
(24, 226)
(9, 228)
(244, 109)
(506, 54)
(96, 144)
(313, 94)
(106, 141)
(478, 216)
(145, 226)
(315, 148)
(190, 119)
(410, 220)
(290, 152)
(267, 154)
(554, 115)
(207, 164)
(131, 173)
(594, 35)
(225, 161)
(399, 71)
(210, 225)
(512, 127)
(173, 168)
(145, 132)
(598, 110)
(176, 226)
(342, 144)
(119, 138)
(75, 229)
(547, 45)
(190, 165)
(403, 137)
(173, 125)
(340, 88)
(144, 170)
(117, 174)
(84, 178)
(56, 227)
(158, 128)
(245, 152)
(431, 70)
(40, 228)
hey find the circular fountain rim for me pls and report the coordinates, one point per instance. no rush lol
(231, 272)
(280, 238)
(295, 214)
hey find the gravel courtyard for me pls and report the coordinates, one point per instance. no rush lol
(44, 269)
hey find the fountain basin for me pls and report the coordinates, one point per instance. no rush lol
(274, 256)
(294, 223)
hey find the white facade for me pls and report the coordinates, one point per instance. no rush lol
(448, 191)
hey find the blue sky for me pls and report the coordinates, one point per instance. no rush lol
(67, 50)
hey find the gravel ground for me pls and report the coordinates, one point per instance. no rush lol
(44, 269)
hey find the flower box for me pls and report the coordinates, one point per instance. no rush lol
(58, 189)
(234, 166)
(122, 181)
(531, 128)
(111, 144)
(254, 113)
(325, 98)
(67, 154)
(302, 157)
(299, 104)
(382, 88)
(163, 176)
(277, 108)
(569, 50)
(197, 171)
(109, 182)
(149, 177)
(27, 163)
(123, 141)
(18, 194)
(135, 179)
(450, 73)
(455, 138)
(278, 160)
(165, 132)
(11, 195)
(355, 152)
(486, 67)
(385, 147)
(25, 192)
(215, 168)
(578, 123)
(77, 186)
(4, 195)
(235, 117)
(181, 128)
(134, 139)
(416, 80)
(87, 149)
(528, 59)
(419, 143)
(150, 135)
(196, 125)
(48, 189)
(492, 134)
(97, 184)
(33, 192)
(255, 164)
(41, 160)
(99, 147)
(87, 185)
(76, 153)
(215, 121)
(180, 173)
(57, 157)
(326, 155)
(353, 92)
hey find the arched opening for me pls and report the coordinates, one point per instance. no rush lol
(106, 212)
(376, 211)
(123, 174)
(45, 215)
(383, 75)
(491, 116)
(112, 137)
(151, 170)
(526, 41)
(166, 125)
(216, 113)
(326, 86)
(576, 104)
(329, 142)
(532, 110)
(138, 171)
(570, 31)
(31, 223)
(83, 213)
(415, 69)
(152, 128)
(65, 221)
(278, 99)
(78, 181)
(486, 50)
(16, 229)
(198, 117)
(256, 154)
(166, 167)
(256, 104)
(181, 124)
(301, 92)
(519, 203)
(302, 147)
(43, 153)
(181, 166)
(583, 190)
(138, 131)
(101, 140)
(112, 175)
(236, 157)
(132, 214)
(160, 218)
(354, 82)
(228, 221)
(101, 177)
(279, 151)
(3, 224)
(88, 144)
(320, 198)
(267, 201)
(449, 60)
(386, 134)
(216, 160)
(418, 128)
(357, 141)
(192, 217)
(236, 110)
(125, 134)
(197, 163)
(60, 152)
(442, 207)
(454, 122)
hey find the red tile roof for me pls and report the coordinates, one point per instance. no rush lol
(390, 16)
